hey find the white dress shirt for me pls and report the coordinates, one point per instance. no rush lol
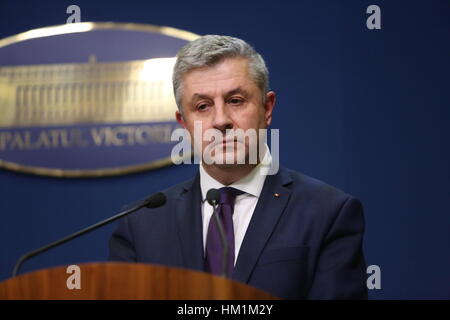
(245, 204)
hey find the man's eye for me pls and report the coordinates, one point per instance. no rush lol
(236, 101)
(202, 107)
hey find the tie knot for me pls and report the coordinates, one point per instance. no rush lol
(228, 195)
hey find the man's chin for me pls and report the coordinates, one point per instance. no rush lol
(227, 165)
(227, 160)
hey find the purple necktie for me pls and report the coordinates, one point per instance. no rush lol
(214, 248)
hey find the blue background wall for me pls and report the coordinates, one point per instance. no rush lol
(366, 111)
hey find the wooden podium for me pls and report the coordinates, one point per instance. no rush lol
(125, 281)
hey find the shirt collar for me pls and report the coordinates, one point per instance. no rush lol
(251, 183)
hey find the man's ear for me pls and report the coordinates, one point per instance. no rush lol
(180, 118)
(268, 107)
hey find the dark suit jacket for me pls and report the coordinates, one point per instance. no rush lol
(306, 243)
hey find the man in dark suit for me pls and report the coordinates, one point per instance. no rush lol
(288, 234)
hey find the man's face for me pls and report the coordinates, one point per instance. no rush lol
(223, 97)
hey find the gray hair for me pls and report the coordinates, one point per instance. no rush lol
(209, 50)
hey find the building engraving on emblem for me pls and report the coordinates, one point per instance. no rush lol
(80, 93)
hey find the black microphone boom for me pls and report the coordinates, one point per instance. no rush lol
(213, 198)
(154, 201)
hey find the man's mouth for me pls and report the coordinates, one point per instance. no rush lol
(226, 142)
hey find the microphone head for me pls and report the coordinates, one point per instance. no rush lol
(155, 200)
(213, 196)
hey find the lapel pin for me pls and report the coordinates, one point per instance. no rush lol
(277, 195)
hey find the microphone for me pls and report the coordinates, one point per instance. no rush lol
(213, 198)
(154, 201)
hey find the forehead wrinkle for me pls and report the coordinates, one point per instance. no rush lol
(209, 89)
(239, 89)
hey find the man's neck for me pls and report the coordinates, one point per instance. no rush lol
(227, 175)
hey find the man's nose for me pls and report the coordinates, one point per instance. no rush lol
(222, 120)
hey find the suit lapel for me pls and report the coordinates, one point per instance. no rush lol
(189, 224)
(265, 217)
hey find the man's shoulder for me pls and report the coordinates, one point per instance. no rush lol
(312, 187)
(171, 193)
(321, 201)
(176, 190)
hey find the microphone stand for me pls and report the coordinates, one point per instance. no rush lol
(223, 239)
(33, 253)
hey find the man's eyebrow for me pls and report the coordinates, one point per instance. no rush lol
(198, 96)
(237, 90)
